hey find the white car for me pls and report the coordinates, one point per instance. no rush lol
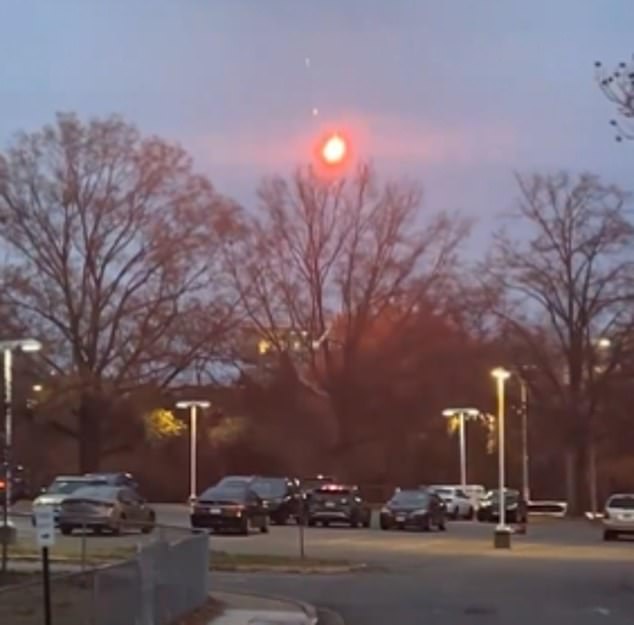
(476, 493)
(618, 517)
(457, 502)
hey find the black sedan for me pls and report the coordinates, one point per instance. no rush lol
(418, 509)
(230, 507)
(514, 504)
(282, 497)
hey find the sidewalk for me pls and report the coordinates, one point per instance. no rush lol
(247, 609)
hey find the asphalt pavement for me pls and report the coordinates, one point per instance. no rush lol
(560, 573)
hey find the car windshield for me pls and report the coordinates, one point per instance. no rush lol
(233, 481)
(410, 497)
(269, 487)
(623, 502)
(231, 492)
(101, 493)
(444, 491)
(66, 487)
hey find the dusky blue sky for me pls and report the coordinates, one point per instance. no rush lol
(457, 94)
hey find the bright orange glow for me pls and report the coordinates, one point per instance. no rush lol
(334, 150)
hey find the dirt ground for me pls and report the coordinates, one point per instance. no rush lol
(23, 604)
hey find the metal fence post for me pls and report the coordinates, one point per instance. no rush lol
(83, 556)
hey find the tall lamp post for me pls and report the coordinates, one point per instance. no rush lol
(502, 537)
(462, 414)
(526, 490)
(8, 347)
(193, 406)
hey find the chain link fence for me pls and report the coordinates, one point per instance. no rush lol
(140, 580)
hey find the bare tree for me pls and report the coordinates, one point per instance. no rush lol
(323, 259)
(618, 87)
(567, 277)
(110, 241)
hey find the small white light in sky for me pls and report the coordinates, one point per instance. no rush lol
(315, 112)
(307, 61)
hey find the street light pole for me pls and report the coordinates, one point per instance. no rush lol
(8, 428)
(462, 414)
(193, 406)
(502, 534)
(526, 491)
(463, 451)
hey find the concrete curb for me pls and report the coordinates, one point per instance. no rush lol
(326, 616)
(309, 610)
(289, 569)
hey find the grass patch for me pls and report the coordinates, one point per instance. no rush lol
(69, 552)
(223, 561)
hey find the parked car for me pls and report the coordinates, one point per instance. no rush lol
(618, 516)
(421, 509)
(338, 503)
(476, 493)
(281, 495)
(515, 506)
(457, 502)
(64, 486)
(104, 507)
(19, 484)
(232, 505)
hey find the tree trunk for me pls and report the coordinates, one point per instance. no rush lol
(571, 478)
(89, 439)
(581, 483)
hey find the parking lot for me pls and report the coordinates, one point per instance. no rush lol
(546, 538)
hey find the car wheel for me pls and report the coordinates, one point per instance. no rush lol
(311, 523)
(66, 530)
(609, 535)
(366, 523)
(425, 524)
(264, 528)
(442, 525)
(385, 525)
(469, 515)
(354, 524)
(325, 523)
(455, 513)
(511, 517)
(244, 526)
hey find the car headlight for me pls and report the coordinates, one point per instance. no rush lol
(344, 501)
(385, 510)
